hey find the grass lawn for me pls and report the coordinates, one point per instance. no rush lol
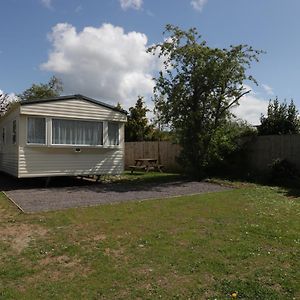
(196, 247)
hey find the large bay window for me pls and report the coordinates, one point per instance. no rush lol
(73, 132)
(113, 133)
(36, 130)
(55, 131)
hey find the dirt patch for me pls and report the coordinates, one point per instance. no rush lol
(116, 253)
(64, 260)
(56, 268)
(99, 237)
(19, 236)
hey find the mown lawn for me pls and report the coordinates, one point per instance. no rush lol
(196, 247)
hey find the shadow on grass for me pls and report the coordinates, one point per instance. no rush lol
(135, 181)
(288, 187)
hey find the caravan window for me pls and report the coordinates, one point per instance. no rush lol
(75, 132)
(3, 135)
(113, 133)
(14, 132)
(36, 130)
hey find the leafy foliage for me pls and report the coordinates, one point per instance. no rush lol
(281, 119)
(284, 172)
(195, 92)
(227, 151)
(6, 101)
(43, 90)
(137, 128)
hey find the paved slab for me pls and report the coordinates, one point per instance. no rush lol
(39, 199)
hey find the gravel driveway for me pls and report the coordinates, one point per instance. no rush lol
(38, 199)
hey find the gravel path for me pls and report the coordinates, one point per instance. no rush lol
(39, 199)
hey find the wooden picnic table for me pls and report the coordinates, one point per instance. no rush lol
(146, 164)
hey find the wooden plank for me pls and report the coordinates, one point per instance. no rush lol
(165, 150)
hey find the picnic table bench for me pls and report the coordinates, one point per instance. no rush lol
(146, 164)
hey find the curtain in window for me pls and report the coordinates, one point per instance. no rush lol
(14, 132)
(113, 133)
(72, 132)
(36, 130)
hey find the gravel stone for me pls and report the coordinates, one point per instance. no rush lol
(31, 195)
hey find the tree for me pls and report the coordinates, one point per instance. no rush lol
(6, 100)
(281, 119)
(137, 127)
(197, 89)
(4, 103)
(119, 106)
(51, 89)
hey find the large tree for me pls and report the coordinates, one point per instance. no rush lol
(52, 88)
(281, 118)
(137, 128)
(197, 89)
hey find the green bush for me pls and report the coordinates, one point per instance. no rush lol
(284, 172)
(228, 150)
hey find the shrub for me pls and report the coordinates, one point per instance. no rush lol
(228, 152)
(284, 172)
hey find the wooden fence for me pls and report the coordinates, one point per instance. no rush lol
(263, 150)
(166, 152)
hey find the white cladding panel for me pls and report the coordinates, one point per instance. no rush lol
(76, 108)
(48, 161)
(8, 150)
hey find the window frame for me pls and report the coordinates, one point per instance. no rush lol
(119, 140)
(14, 132)
(46, 131)
(76, 145)
(49, 133)
(3, 135)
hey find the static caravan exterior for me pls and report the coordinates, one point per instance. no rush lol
(63, 136)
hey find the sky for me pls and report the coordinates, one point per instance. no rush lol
(97, 47)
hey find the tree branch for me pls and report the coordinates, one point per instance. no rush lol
(235, 101)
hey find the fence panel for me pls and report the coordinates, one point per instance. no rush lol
(165, 151)
(263, 150)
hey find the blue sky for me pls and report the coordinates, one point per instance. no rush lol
(97, 46)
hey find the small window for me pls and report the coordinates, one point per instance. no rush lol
(14, 132)
(36, 130)
(73, 132)
(3, 136)
(113, 133)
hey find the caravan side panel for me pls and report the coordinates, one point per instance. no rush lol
(42, 161)
(73, 109)
(8, 147)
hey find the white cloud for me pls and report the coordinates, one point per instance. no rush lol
(135, 4)
(105, 62)
(47, 3)
(251, 107)
(268, 89)
(198, 4)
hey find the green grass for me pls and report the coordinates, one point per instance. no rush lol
(196, 247)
